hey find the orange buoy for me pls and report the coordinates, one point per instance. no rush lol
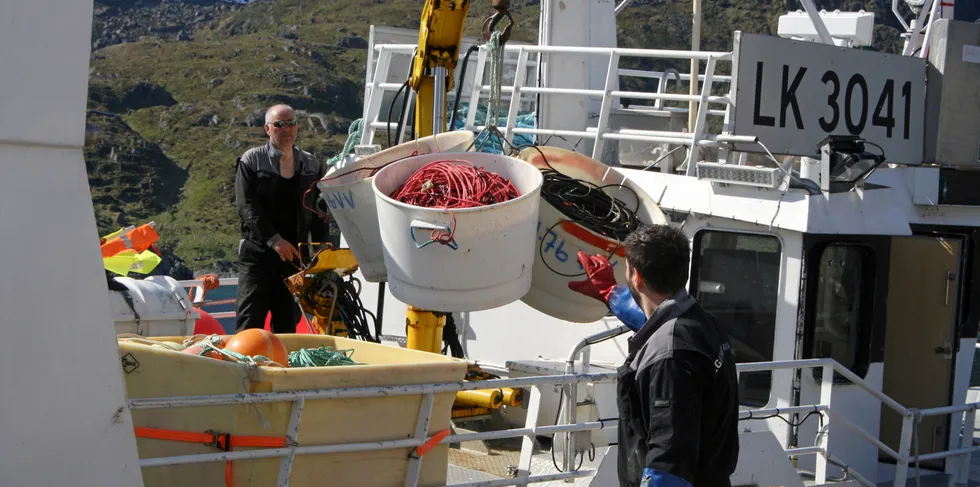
(303, 326)
(207, 324)
(256, 341)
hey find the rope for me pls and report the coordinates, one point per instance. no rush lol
(451, 184)
(209, 281)
(327, 287)
(454, 184)
(353, 136)
(496, 50)
(586, 204)
(320, 357)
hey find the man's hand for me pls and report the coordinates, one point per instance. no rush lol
(286, 251)
(601, 279)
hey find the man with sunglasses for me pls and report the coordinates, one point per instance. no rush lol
(270, 188)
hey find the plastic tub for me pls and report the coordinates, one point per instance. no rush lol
(152, 371)
(491, 265)
(156, 306)
(349, 195)
(559, 240)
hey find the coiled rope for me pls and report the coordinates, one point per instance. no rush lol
(587, 204)
(452, 184)
(320, 357)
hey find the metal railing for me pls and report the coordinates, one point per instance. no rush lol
(695, 139)
(911, 417)
(427, 391)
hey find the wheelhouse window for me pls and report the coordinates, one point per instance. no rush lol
(736, 279)
(841, 301)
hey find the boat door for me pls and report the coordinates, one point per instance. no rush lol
(920, 335)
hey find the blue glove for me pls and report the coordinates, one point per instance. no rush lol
(656, 478)
(622, 304)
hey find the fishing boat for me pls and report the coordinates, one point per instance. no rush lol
(826, 190)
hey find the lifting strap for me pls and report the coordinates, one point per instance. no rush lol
(223, 441)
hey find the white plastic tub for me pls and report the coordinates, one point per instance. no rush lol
(349, 195)
(559, 240)
(491, 265)
(161, 305)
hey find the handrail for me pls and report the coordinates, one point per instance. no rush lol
(903, 457)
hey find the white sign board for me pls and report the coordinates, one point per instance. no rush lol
(792, 93)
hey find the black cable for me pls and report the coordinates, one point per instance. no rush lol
(588, 205)
(400, 114)
(459, 86)
(791, 423)
(561, 398)
(348, 306)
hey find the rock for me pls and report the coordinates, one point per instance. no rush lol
(352, 42)
(141, 95)
(216, 82)
(231, 142)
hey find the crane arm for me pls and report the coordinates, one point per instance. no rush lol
(434, 62)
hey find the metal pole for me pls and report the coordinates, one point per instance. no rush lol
(695, 65)
(438, 100)
(818, 24)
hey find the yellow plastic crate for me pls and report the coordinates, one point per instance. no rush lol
(152, 371)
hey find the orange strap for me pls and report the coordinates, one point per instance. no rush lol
(223, 441)
(429, 444)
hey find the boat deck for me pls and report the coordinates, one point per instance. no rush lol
(467, 466)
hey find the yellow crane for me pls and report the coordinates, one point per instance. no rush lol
(434, 62)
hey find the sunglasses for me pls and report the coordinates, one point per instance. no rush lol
(284, 123)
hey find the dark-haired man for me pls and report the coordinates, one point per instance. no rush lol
(677, 390)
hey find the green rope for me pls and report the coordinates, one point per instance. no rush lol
(320, 357)
(496, 51)
(353, 137)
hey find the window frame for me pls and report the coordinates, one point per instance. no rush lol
(696, 246)
(871, 325)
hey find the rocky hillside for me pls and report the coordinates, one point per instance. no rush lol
(179, 89)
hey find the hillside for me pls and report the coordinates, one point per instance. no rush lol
(188, 82)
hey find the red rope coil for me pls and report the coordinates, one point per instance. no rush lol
(454, 184)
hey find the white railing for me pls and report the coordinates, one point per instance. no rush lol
(428, 391)
(695, 139)
(911, 417)
(199, 295)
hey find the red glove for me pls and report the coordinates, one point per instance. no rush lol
(601, 280)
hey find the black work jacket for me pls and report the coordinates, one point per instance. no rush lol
(255, 195)
(678, 400)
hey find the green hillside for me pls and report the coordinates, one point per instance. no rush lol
(189, 85)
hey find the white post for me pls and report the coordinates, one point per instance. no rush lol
(826, 388)
(65, 417)
(962, 474)
(904, 450)
(692, 106)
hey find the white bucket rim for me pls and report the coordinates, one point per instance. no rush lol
(538, 181)
(340, 180)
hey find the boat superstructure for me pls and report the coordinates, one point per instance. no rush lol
(846, 268)
(874, 271)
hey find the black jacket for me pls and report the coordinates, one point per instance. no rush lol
(678, 400)
(255, 190)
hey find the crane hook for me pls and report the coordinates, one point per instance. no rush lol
(502, 8)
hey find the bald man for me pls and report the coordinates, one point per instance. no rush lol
(269, 187)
